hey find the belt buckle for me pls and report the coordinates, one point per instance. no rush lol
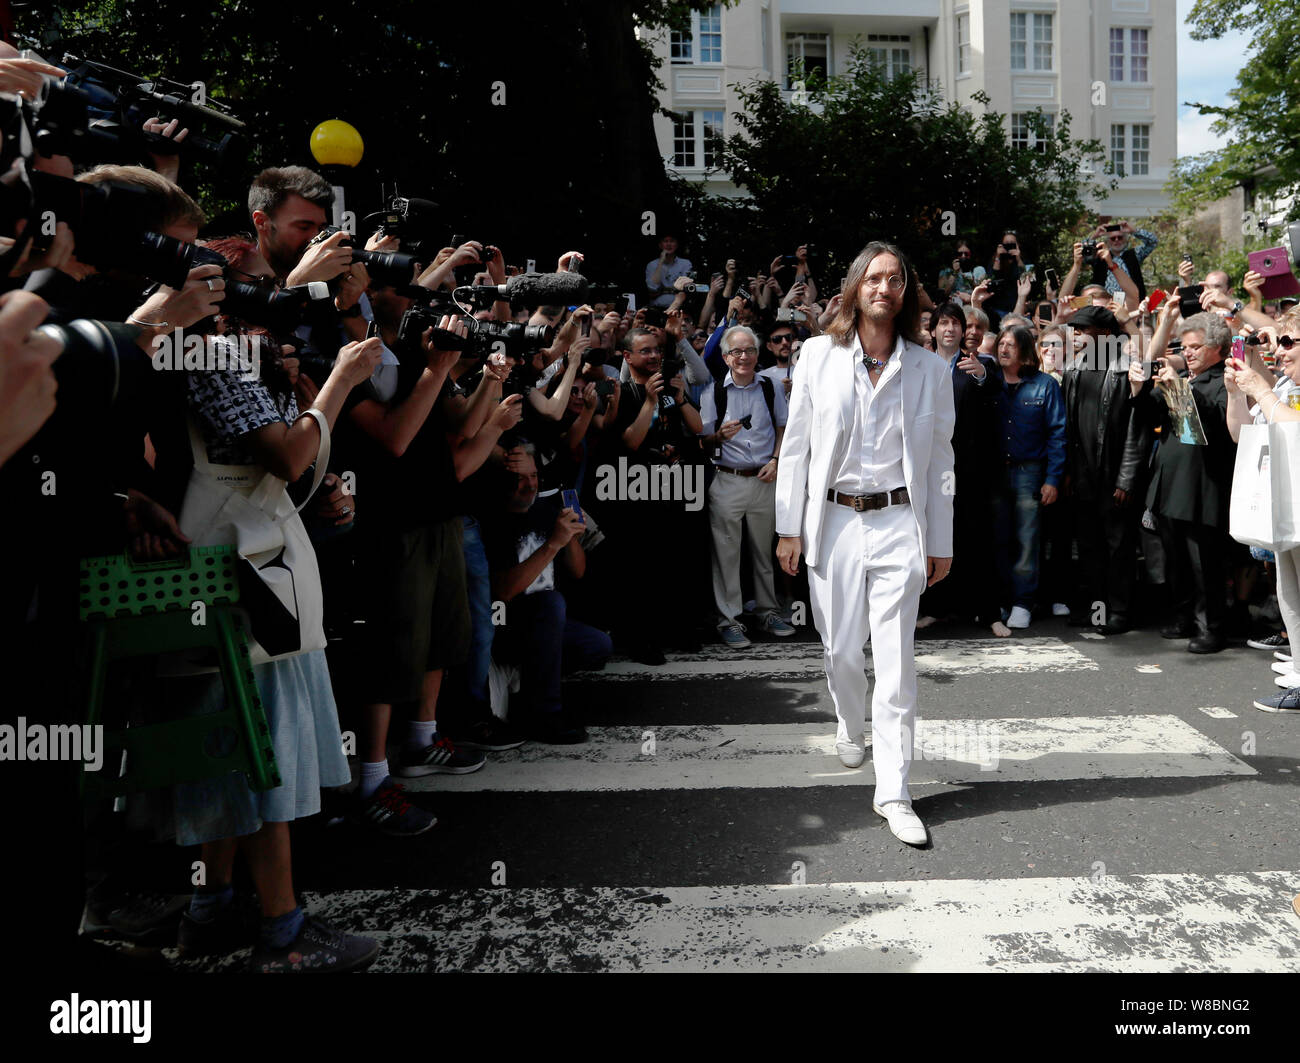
(860, 503)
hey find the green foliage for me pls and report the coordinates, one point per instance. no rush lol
(870, 157)
(1262, 117)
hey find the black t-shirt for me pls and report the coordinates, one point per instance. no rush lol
(512, 538)
(666, 430)
(417, 489)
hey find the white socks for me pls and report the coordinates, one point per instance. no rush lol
(371, 776)
(420, 734)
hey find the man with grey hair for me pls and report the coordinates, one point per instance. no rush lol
(742, 424)
(1192, 481)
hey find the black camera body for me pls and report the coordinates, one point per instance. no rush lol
(410, 220)
(517, 342)
(385, 267)
(993, 284)
(1089, 252)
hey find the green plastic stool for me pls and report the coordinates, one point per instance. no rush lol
(138, 610)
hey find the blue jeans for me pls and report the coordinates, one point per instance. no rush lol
(1017, 527)
(478, 585)
(539, 638)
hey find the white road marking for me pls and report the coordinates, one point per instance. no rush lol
(1159, 923)
(934, 657)
(1217, 712)
(762, 756)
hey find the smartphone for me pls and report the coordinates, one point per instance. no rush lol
(1052, 279)
(575, 263)
(1186, 257)
(630, 301)
(1189, 299)
(1078, 302)
(786, 313)
(1154, 300)
(1114, 228)
(1239, 348)
(569, 499)
(701, 288)
(605, 388)
(585, 327)
(532, 265)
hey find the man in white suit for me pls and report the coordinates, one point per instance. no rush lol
(864, 490)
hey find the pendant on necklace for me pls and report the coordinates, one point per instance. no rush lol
(874, 363)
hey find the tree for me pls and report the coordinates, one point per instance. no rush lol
(872, 157)
(530, 123)
(1262, 117)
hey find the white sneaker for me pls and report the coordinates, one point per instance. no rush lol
(1060, 609)
(1287, 681)
(852, 754)
(1019, 617)
(1283, 667)
(1278, 655)
(905, 824)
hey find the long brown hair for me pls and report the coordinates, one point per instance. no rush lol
(908, 321)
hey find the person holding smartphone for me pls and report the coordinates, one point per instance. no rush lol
(1118, 237)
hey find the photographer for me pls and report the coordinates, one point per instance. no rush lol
(1005, 289)
(1191, 483)
(1254, 399)
(662, 272)
(522, 546)
(962, 278)
(1120, 258)
(743, 494)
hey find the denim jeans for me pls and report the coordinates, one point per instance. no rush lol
(1017, 527)
(539, 638)
(479, 587)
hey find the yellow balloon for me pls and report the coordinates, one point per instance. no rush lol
(336, 143)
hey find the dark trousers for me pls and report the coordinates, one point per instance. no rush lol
(971, 590)
(539, 638)
(1197, 572)
(1107, 537)
(1058, 579)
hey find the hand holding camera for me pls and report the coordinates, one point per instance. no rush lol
(508, 413)
(180, 308)
(653, 389)
(322, 260)
(567, 525)
(356, 361)
(439, 347)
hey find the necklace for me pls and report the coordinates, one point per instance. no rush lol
(874, 363)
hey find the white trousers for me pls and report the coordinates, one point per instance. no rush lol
(869, 580)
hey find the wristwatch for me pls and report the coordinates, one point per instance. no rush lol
(353, 311)
(1237, 308)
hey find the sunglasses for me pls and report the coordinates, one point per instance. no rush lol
(785, 337)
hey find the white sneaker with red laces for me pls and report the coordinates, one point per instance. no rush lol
(905, 824)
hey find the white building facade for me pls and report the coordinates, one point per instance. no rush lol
(1111, 63)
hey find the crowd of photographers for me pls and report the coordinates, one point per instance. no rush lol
(495, 478)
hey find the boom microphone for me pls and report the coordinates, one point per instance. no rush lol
(531, 290)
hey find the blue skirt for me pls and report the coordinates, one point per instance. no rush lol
(304, 723)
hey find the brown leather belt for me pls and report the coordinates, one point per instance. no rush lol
(862, 503)
(739, 472)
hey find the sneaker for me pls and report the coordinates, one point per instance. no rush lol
(1287, 681)
(1287, 701)
(734, 636)
(318, 949)
(440, 757)
(557, 729)
(774, 625)
(1282, 667)
(389, 812)
(1273, 642)
(1280, 655)
(1060, 609)
(1019, 618)
(142, 917)
(492, 736)
(852, 754)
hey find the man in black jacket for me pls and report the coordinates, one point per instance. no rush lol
(1192, 483)
(1107, 444)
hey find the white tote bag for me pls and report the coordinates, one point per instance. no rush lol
(1265, 507)
(249, 508)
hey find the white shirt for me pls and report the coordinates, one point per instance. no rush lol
(750, 448)
(872, 460)
(778, 373)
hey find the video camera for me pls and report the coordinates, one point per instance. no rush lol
(97, 114)
(410, 220)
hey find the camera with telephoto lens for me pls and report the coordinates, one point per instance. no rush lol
(385, 267)
(517, 342)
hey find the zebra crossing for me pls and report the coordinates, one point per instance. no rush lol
(983, 905)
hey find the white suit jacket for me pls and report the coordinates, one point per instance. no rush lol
(821, 419)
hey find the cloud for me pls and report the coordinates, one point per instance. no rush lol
(1194, 134)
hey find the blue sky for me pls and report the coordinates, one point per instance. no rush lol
(1206, 71)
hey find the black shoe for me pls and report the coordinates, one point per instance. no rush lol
(317, 949)
(1272, 642)
(441, 757)
(231, 928)
(1079, 618)
(648, 655)
(557, 729)
(389, 812)
(1116, 625)
(144, 918)
(492, 736)
(1207, 644)
(1177, 631)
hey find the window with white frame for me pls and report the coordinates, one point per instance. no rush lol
(813, 49)
(1130, 150)
(1023, 134)
(1129, 51)
(963, 44)
(696, 136)
(705, 27)
(890, 52)
(1031, 41)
